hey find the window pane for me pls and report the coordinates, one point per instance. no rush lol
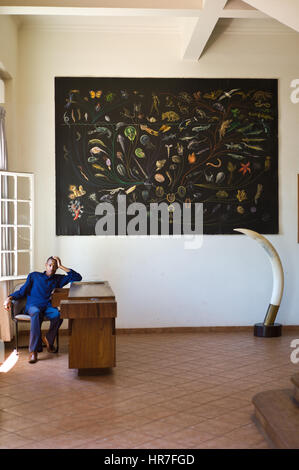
(7, 238)
(23, 264)
(16, 210)
(7, 213)
(7, 264)
(7, 187)
(23, 217)
(24, 188)
(23, 238)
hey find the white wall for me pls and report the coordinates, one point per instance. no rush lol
(157, 282)
(8, 44)
(8, 72)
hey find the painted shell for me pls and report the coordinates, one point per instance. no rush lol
(92, 159)
(160, 164)
(139, 153)
(159, 191)
(170, 197)
(222, 194)
(95, 150)
(121, 169)
(220, 177)
(160, 178)
(130, 132)
(182, 191)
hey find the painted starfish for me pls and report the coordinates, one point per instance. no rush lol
(244, 168)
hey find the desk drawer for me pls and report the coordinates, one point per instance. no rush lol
(88, 309)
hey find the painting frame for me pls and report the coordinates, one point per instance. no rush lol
(246, 103)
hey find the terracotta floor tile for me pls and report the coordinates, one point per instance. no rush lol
(126, 440)
(246, 434)
(94, 444)
(233, 403)
(13, 423)
(131, 420)
(160, 428)
(7, 402)
(178, 404)
(238, 417)
(40, 416)
(101, 431)
(191, 437)
(105, 443)
(204, 397)
(24, 409)
(38, 433)
(164, 443)
(13, 442)
(222, 442)
(4, 433)
(209, 410)
(216, 427)
(71, 422)
(154, 412)
(60, 443)
(183, 419)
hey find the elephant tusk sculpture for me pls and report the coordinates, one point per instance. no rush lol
(269, 328)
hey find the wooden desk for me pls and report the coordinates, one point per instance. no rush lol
(91, 309)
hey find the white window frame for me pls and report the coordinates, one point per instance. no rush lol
(15, 225)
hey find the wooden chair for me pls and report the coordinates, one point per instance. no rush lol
(18, 315)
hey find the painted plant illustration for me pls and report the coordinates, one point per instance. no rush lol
(212, 141)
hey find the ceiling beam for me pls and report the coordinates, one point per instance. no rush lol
(237, 5)
(68, 11)
(101, 7)
(165, 4)
(196, 41)
(162, 8)
(286, 11)
(239, 9)
(246, 14)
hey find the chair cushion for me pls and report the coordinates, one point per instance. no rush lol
(22, 316)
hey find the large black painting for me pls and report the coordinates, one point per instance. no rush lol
(210, 141)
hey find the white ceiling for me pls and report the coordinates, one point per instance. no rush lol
(196, 22)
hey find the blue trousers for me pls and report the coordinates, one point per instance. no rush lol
(38, 315)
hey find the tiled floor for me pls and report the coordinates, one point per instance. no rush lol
(168, 391)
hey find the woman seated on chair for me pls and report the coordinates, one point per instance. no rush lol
(38, 289)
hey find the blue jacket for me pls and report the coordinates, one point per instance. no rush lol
(38, 287)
